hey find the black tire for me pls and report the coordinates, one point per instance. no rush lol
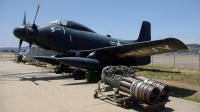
(58, 70)
(95, 95)
(78, 74)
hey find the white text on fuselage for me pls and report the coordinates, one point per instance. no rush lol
(53, 29)
(115, 43)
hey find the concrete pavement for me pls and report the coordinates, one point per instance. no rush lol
(29, 89)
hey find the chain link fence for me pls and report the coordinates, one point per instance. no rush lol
(171, 60)
(5, 56)
(176, 60)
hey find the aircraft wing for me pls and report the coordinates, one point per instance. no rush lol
(141, 49)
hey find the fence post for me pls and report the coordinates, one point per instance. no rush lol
(174, 59)
(1, 54)
(199, 58)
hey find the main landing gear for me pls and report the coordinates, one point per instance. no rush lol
(78, 74)
(58, 70)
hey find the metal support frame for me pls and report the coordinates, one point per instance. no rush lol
(124, 100)
(114, 98)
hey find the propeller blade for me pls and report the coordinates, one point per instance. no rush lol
(24, 22)
(36, 12)
(20, 44)
(30, 49)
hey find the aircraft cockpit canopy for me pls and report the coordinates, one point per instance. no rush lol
(60, 22)
(72, 25)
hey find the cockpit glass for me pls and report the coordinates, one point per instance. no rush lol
(63, 22)
(60, 22)
(56, 22)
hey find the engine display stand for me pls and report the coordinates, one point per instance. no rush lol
(124, 100)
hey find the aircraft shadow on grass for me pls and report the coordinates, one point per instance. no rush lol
(175, 91)
(181, 92)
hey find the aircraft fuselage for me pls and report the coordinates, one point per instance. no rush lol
(63, 39)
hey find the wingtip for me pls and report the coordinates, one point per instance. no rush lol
(178, 42)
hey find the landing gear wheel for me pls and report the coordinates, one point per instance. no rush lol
(78, 74)
(95, 95)
(124, 104)
(58, 70)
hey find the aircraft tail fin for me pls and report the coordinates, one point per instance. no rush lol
(145, 32)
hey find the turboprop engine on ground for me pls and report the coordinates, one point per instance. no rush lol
(125, 79)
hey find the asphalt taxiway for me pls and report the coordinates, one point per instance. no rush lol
(26, 88)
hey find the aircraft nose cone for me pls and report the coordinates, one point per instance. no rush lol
(17, 32)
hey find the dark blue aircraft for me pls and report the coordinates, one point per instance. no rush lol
(83, 48)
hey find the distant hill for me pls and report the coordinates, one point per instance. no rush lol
(8, 49)
(193, 46)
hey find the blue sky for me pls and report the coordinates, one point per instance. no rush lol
(118, 18)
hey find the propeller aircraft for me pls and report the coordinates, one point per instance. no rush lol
(82, 47)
